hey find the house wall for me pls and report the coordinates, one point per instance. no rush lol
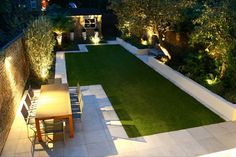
(14, 73)
(79, 23)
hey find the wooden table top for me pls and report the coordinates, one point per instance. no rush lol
(54, 101)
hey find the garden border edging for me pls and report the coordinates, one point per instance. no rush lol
(209, 99)
(214, 102)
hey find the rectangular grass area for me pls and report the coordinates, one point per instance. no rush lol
(145, 102)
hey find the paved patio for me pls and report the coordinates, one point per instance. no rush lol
(100, 133)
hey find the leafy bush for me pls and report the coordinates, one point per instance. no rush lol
(197, 66)
(39, 41)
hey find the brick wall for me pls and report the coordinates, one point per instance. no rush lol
(14, 73)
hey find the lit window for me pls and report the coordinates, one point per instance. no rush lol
(89, 23)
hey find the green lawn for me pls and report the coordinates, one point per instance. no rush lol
(145, 102)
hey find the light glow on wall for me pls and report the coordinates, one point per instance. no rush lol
(9, 72)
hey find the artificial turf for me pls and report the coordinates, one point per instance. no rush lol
(145, 102)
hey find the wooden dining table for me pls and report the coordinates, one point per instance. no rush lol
(54, 103)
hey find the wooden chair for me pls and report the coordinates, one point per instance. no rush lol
(78, 111)
(47, 127)
(30, 122)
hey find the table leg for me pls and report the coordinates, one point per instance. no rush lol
(38, 129)
(71, 126)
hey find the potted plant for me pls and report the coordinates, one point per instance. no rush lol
(84, 35)
(96, 32)
(61, 24)
(71, 27)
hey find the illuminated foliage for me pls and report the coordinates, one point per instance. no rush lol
(62, 24)
(39, 41)
(213, 30)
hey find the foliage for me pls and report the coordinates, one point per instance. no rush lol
(230, 74)
(197, 65)
(39, 41)
(214, 30)
(130, 15)
(12, 14)
(135, 41)
(13, 17)
(68, 45)
(158, 15)
(62, 24)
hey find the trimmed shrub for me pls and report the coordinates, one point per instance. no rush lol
(39, 41)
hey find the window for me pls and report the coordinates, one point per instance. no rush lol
(33, 4)
(89, 23)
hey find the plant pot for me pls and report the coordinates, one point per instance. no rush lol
(72, 36)
(96, 34)
(59, 39)
(84, 35)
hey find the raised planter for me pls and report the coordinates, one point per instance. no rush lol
(127, 46)
(214, 102)
(142, 51)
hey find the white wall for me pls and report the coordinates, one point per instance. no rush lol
(127, 46)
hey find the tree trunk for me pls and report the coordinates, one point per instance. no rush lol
(223, 70)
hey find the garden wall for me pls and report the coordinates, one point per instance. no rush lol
(14, 73)
(212, 101)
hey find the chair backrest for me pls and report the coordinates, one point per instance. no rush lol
(58, 81)
(31, 92)
(27, 101)
(81, 102)
(25, 113)
(53, 126)
(78, 88)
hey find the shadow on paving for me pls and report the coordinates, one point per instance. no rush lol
(132, 130)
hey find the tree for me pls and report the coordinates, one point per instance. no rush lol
(12, 14)
(39, 41)
(157, 16)
(130, 16)
(213, 30)
(62, 24)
